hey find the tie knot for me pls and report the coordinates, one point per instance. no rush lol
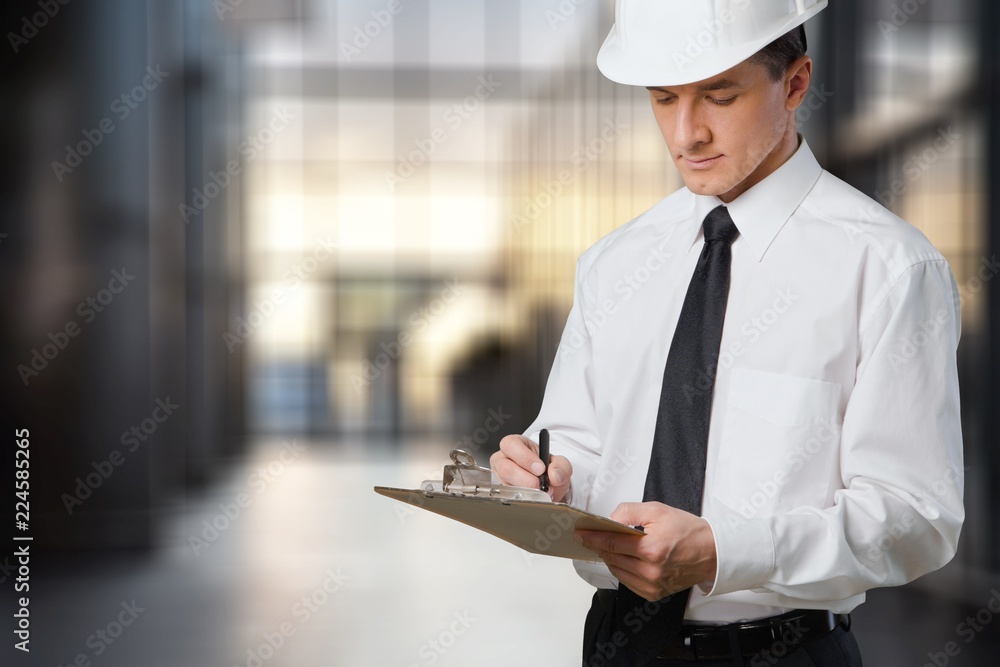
(719, 226)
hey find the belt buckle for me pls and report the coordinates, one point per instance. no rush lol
(710, 643)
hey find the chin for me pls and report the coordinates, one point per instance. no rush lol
(709, 187)
(706, 189)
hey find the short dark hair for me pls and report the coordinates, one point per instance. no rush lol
(782, 52)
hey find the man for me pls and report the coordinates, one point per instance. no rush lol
(775, 402)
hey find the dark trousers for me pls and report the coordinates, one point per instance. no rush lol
(838, 649)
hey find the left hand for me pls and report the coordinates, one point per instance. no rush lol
(676, 552)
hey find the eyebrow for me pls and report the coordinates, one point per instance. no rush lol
(721, 84)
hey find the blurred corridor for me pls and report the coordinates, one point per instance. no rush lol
(259, 256)
(294, 573)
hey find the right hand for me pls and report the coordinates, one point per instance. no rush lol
(517, 464)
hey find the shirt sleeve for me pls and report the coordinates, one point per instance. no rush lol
(568, 407)
(899, 512)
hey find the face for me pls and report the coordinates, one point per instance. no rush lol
(727, 133)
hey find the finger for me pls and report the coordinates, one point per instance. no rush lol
(523, 452)
(637, 585)
(560, 471)
(630, 564)
(599, 540)
(512, 474)
(636, 514)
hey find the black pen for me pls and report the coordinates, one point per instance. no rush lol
(543, 454)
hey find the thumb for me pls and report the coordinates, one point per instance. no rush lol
(632, 514)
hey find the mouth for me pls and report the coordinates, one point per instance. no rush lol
(699, 164)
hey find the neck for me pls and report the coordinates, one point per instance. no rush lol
(783, 150)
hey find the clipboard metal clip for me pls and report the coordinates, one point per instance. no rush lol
(465, 477)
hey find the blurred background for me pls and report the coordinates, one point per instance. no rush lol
(260, 256)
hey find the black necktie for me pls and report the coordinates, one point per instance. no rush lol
(676, 475)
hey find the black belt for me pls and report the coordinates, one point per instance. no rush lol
(772, 637)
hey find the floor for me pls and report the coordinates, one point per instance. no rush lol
(305, 565)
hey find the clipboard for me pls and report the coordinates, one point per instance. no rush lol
(524, 517)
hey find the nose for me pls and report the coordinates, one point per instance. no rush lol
(690, 130)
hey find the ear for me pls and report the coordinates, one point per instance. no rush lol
(797, 81)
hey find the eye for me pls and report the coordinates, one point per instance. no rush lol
(665, 100)
(723, 102)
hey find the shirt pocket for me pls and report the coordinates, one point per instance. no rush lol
(779, 445)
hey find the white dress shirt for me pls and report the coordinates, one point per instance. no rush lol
(835, 445)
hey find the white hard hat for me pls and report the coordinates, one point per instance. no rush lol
(674, 42)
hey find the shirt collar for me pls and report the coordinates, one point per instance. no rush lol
(761, 212)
